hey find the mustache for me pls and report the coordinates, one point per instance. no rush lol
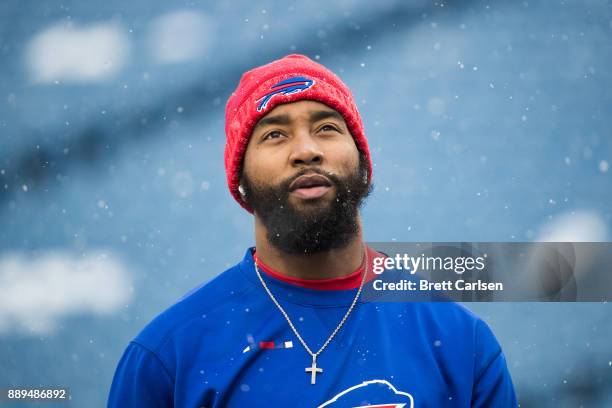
(284, 186)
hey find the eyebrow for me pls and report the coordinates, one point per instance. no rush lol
(286, 119)
(273, 120)
(325, 114)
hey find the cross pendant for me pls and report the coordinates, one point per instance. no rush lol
(314, 370)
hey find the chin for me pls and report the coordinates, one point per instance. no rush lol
(316, 203)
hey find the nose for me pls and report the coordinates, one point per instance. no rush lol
(306, 151)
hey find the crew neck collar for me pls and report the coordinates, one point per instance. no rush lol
(350, 281)
(335, 292)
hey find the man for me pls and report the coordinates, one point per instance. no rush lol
(286, 326)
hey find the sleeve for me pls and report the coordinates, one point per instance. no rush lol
(141, 380)
(493, 385)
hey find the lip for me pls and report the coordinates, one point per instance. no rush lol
(310, 181)
(310, 186)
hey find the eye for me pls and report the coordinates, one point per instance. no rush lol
(327, 128)
(272, 135)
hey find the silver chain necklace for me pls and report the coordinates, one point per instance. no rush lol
(313, 369)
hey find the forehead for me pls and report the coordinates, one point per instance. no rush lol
(303, 108)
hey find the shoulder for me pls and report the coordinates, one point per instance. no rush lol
(446, 320)
(467, 350)
(460, 319)
(468, 331)
(449, 315)
(212, 297)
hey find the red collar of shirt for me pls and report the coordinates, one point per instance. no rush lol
(351, 281)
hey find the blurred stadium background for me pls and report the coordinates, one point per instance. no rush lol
(488, 121)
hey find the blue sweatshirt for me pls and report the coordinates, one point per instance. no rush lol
(227, 345)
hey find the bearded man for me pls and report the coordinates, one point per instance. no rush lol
(286, 326)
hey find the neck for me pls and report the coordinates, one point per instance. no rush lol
(334, 263)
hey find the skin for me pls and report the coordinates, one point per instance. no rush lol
(303, 134)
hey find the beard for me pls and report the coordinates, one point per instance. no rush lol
(321, 224)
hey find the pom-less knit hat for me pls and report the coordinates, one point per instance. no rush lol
(290, 79)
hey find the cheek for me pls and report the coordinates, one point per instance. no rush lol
(248, 163)
(249, 170)
(259, 167)
(345, 157)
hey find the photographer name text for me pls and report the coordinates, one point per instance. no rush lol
(447, 285)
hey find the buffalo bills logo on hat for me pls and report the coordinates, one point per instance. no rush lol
(286, 87)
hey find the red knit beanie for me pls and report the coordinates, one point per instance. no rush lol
(290, 79)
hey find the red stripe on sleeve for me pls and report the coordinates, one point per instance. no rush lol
(266, 344)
